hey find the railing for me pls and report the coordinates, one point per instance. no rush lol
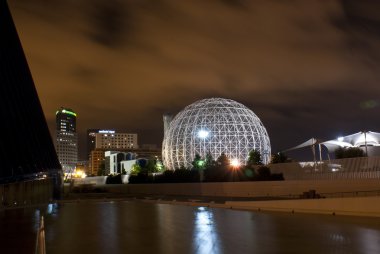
(350, 168)
(40, 241)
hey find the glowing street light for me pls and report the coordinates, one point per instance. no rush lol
(201, 163)
(79, 174)
(203, 134)
(235, 163)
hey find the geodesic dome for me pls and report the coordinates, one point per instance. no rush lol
(214, 125)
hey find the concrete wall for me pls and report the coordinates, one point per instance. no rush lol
(328, 188)
(26, 193)
(358, 206)
(96, 180)
(345, 197)
(349, 168)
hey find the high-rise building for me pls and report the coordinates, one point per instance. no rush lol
(96, 161)
(91, 138)
(66, 141)
(90, 142)
(26, 146)
(116, 140)
(66, 120)
(100, 141)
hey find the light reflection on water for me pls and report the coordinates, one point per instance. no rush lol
(205, 237)
(137, 227)
(36, 219)
(369, 239)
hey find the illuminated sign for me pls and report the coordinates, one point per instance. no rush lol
(67, 112)
(106, 131)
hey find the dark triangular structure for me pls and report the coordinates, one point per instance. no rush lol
(25, 144)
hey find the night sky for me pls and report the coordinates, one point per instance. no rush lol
(306, 68)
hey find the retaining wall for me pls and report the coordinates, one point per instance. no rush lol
(344, 197)
(327, 188)
(26, 193)
(359, 206)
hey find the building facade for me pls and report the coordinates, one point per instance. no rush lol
(214, 126)
(66, 140)
(91, 139)
(116, 140)
(99, 161)
(96, 162)
(113, 161)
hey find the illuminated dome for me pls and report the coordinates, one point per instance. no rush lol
(217, 126)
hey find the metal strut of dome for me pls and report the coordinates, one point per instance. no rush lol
(215, 126)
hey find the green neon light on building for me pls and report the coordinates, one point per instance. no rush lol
(64, 111)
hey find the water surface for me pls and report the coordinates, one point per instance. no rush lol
(138, 227)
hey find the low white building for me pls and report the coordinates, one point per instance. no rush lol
(127, 166)
(116, 162)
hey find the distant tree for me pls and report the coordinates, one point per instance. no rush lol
(168, 176)
(353, 152)
(254, 158)
(114, 179)
(350, 152)
(198, 163)
(151, 166)
(279, 158)
(223, 161)
(209, 161)
(339, 153)
(159, 166)
(184, 168)
(249, 173)
(263, 173)
(136, 169)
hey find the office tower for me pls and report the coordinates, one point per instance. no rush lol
(26, 146)
(91, 139)
(66, 120)
(90, 143)
(116, 140)
(66, 139)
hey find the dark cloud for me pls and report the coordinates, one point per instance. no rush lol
(110, 22)
(361, 23)
(306, 68)
(234, 3)
(84, 72)
(362, 16)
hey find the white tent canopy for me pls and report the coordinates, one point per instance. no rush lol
(363, 138)
(307, 143)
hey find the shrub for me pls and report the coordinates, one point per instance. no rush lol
(350, 152)
(141, 177)
(114, 179)
(263, 173)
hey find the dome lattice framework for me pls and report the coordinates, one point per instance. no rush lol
(217, 126)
